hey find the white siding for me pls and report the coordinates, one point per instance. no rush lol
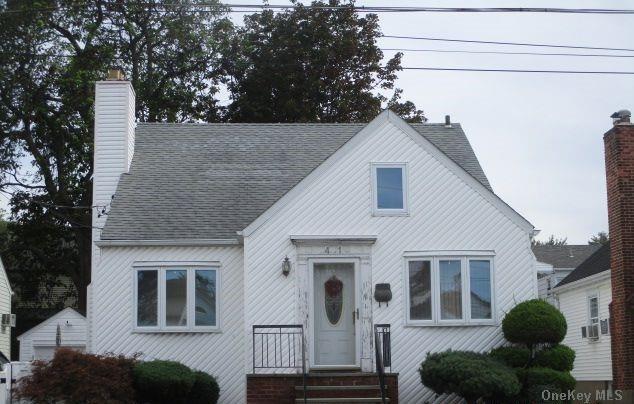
(445, 214)
(220, 354)
(5, 308)
(72, 328)
(593, 361)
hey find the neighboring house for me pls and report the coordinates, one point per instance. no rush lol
(584, 297)
(215, 230)
(7, 319)
(555, 262)
(65, 329)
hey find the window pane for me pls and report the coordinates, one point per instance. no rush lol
(176, 298)
(480, 281)
(147, 296)
(420, 290)
(206, 298)
(389, 188)
(594, 310)
(450, 290)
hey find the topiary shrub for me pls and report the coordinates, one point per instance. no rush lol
(560, 357)
(534, 322)
(539, 376)
(75, 377)
(513, 356)
(205, 389)
(470, 375)
(163, 382)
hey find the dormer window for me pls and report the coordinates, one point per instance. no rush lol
(389, 184)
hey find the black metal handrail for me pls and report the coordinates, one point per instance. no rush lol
(383, 354)
(278, 346)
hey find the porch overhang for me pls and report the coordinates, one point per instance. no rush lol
(324, 239)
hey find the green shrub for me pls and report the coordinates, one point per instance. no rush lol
(533, 322)
(559, 357)
(205, 389)
(163, 382)
(468, 374)
(544, 377)
(513, 356)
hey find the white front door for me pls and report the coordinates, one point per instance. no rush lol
(335, 314)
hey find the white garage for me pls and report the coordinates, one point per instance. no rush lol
(66, 329)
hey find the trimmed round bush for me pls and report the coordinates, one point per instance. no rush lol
(544, 377)
(513, 356)
(559, 357)
(534, 322)
(205, 389)
(163, 382)
(470, 375)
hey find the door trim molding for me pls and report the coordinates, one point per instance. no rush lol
(311, 305)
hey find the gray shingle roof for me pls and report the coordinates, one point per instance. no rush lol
(596, 263)
(208, 181)
(566, 256)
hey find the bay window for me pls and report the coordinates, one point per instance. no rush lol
(448, 289)
(176, 298)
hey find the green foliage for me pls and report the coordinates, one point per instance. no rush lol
(312, 65)
(552, 240)
(560, 357)
(74, 377)
(513, 356)
(468, 374)
(600, 238)
(540, 376)
(163, 382)
(205, 389)
(534, 322)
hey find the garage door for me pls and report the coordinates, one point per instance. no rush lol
(46, 352)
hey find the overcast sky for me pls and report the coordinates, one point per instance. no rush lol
(537, 136)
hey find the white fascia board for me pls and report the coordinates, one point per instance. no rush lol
(461, 173)
(307, 181)
(601, 276)
(351, 239)
(171, 242)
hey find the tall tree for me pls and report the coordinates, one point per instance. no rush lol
(51, 53)
(600, 238)
(312, 65)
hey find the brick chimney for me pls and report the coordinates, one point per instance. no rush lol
(619, 165)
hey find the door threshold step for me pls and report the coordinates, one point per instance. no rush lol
(346, 387)
(342, 400)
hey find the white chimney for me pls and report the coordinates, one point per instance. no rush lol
(114, 144)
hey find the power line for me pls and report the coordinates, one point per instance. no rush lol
(505, 43)
(508, 53)
(518, 70)
(203, 7)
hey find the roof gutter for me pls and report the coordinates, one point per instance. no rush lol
(582, 282)
(170, 242)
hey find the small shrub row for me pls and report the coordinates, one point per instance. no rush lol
(75, 377)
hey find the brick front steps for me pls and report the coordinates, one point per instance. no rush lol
(322, 387)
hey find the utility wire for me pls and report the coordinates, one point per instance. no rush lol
(506, 43)
(203, 6)
(519, 70)
(605, 55)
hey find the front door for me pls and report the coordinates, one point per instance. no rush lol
(335, 314)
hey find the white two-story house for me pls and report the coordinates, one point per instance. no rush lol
(263, 252)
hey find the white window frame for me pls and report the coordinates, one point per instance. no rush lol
(465, 271)
(375, 192)
(162, 268)
(589, 297)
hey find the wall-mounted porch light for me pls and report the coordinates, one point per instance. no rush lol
(286, 266)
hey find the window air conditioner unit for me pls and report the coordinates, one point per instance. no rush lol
(8, 320)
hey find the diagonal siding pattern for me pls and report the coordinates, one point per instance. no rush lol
(220, 354)
(445, 214)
